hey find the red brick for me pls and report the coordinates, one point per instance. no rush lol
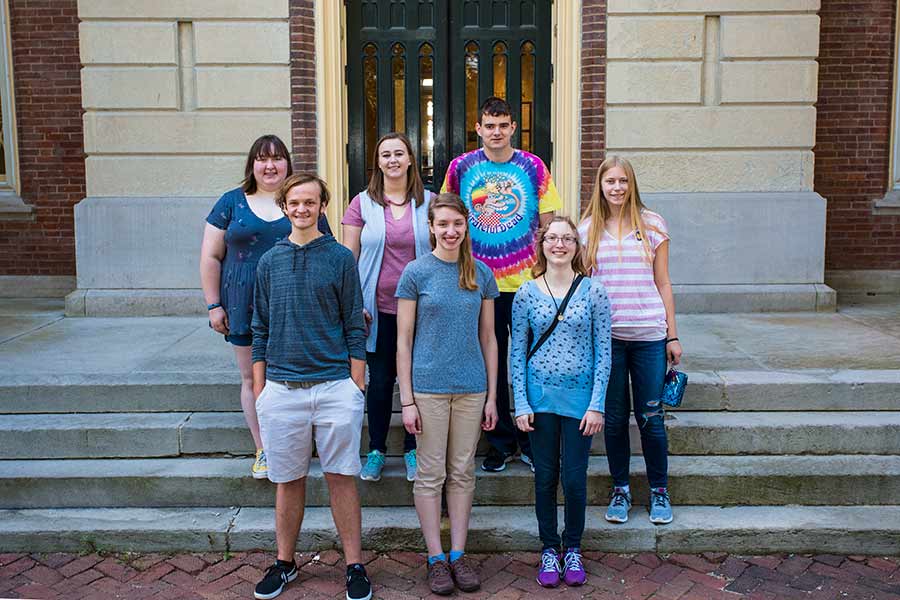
(49, 132)
(187, 563)
(113, 568)
(16, 567)
(665, 573)
(648, 559)
(616, 562)
(882, 564)
(694, 562)
(769, 562)
(731, 567)
(154, 573)
(853, 149)
(43, 575)
(55, 560)
(36, 591)
(217, 570)
(10, 557)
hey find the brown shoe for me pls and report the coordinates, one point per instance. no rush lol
(465, 575)
(439, 579)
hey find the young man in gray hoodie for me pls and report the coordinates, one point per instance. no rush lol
(309, 357)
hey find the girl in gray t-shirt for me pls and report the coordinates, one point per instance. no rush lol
(447, 369)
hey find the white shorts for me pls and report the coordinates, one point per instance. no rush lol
(291, 417)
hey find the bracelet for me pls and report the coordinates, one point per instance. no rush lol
(408, 405)
(670, 340)
(213, 305)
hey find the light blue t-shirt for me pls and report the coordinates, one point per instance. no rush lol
(568, 375)
(447, 356)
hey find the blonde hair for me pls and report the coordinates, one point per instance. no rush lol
(466, 261)
(598, 211)
(540, 267)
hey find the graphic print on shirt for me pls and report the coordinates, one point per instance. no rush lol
(504, 202)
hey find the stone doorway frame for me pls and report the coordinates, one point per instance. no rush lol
(565, 103)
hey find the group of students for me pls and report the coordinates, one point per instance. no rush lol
(434, 292)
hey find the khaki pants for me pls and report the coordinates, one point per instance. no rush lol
(451, 427)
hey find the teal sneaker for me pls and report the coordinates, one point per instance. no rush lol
(619, 504)
(373, 467)
(409, 459)
(660, 507)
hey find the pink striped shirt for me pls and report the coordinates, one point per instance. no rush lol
(637, 310)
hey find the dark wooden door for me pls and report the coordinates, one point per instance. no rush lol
(423, 67)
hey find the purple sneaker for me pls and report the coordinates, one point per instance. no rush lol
(573, 574)
(548, 575)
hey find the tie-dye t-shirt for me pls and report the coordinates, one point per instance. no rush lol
(505, 201)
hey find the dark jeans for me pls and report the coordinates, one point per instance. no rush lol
(380, 391)
(505, 435)
(645, 363)
(557, 439)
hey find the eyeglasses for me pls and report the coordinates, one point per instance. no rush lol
(553, 239)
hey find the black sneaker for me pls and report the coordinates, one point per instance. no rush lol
(358, 585)
(495, 460)
(277, 576)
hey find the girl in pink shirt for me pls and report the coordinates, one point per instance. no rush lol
(627, 247)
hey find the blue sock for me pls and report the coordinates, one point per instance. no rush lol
(434, 559)
(455, 555)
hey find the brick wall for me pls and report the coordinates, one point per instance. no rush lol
(593, 94)
(303, 84)
(51, 156)
(853, 132)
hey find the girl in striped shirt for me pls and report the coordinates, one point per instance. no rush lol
(627, 247)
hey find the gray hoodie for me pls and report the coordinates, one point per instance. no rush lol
(307, 317)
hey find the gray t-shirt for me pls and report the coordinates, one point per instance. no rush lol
(447, 356)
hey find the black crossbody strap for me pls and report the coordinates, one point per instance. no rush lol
(555, 321)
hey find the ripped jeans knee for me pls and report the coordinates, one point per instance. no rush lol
(653, 416)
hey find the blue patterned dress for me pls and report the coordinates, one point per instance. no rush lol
(247, 238)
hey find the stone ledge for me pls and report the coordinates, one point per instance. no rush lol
(889, 205)
(134, 303)
(36, 286)
(866, 530)
(864, 281)
(737, 298)
(13, 208)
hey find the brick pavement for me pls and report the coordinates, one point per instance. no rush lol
(401, 576)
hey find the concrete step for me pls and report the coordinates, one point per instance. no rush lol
(734, 390)
(693, 480)
(145, 435)
(873, 530)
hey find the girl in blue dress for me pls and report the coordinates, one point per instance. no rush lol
(242, 226)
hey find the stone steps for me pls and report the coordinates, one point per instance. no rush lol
(145, 435)
(745, 530)
(693, 480)
(735, 390)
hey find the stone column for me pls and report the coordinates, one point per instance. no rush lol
(174, 92)
(713, 102)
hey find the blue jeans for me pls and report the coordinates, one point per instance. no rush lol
(557, 439)
(645, 363)
(380, 391)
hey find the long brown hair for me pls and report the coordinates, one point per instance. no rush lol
(466, 262)
(540, 267)
(414, 186)
(598, 211)
(266, 146)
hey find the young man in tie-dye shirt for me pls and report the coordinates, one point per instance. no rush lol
(509, 194)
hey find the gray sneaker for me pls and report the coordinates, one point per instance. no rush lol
(660, 507)
(409, 460)
(619, 505)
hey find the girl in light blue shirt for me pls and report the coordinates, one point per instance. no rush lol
(560, 391)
